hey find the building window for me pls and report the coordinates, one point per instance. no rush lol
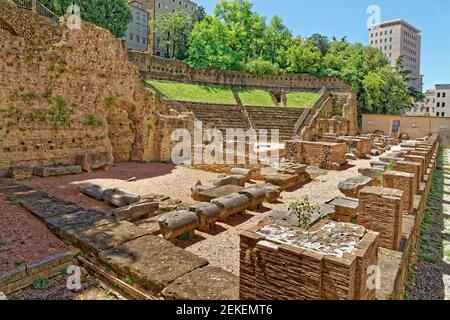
(443, 104)
(131, 36)
(438, 104)
(439, 95)
(443, 114)
(443, 94)
(144, 40)
(443, 126)
(137, 39)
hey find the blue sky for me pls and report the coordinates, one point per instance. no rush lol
(348, 18)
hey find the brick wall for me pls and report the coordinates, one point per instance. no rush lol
(322, 154)
(381, 210)
(401, 181)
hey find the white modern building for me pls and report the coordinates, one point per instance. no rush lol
(398, 38)
(436, 103)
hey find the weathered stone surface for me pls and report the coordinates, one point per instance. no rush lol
(350, 156)
(256, 196)
(108, 236)
(94, 161)
(135, 211)
(235, 180)
(208, 195)
(346, 208)
(92, 190)
(207, 213)
(50, 171)
(44, 206)
(207, 283)
(272, 192)
(231, 204)
(286, 219)
(247, 173)
(284, 181)
(68, 225)
(200, 188)
(151, 224)
(352, 186)
(20, 172)
(119, 197)
(152, 261)
(176, 223)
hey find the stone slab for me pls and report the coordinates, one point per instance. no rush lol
(92, 190)
(135, 211)
(207, 283)
(208, 195)
(45, 206)
(119, 197)
(152, 261)
(108, 236)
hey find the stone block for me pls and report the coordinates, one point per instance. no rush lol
(20, 172)
(272, 192)
(135, 211)
(207, 283)
(247, 173)
(352, 186)
(235, 180)
(151, 261)
(256, 195)
(401, 181)
(92, 190)
(346, 208)
(207, 213)
(119, 197)
(284, 181)
(51, 171)
(95, 161)
(231, 204)
(177, 223)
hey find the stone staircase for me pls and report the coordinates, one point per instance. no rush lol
(221, 116)
(283, 119)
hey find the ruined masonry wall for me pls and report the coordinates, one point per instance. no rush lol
(65, 93)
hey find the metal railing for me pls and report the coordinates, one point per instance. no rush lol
(37, 7)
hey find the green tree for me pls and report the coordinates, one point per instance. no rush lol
(321, 42)
(175, 30)
(304, 57)
(405, 72)
(262, 67)
(199, 14)
(276, 42)
(210, 46)
(386, 91)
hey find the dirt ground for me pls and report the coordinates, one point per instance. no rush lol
(221, 246)
(23, 238)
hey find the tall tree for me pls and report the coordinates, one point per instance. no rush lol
(304, 57)
(175, 30)
(199, 14)
(321, 42)
(276, 42)
(210, 46)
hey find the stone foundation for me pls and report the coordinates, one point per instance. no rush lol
(324, 155)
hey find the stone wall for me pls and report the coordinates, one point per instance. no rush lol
(337, 115)
(166, 69)
(381, 210)
(64, 93)
(324, 155)
(270, 269)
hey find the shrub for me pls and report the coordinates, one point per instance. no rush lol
(111, 101)
(303, 210)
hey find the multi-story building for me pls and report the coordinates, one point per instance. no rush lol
(398, 38)
(158, 8)
(436, 103)
(136, 36)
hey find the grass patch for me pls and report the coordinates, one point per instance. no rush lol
(91, 121)
(193, 93)
(256, 97)
(302, 99)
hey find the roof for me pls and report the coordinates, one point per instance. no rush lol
(396, 22)
(443, 86)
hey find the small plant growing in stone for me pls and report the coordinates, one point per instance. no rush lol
(92, 121)
(390, 165)
(303, 210)
(111, 101)
(61, 112)
(40, 283)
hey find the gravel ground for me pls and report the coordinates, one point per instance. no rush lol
(23, 238)
(159, 178)
(431, 275)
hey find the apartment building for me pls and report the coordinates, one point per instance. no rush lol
(158, 8)
(398, 38)
(436, 103)
(136, 36)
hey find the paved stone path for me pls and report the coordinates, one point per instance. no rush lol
(446, 206)
(130, 250)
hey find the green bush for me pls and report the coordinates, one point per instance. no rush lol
(92, 121)
(61, 112)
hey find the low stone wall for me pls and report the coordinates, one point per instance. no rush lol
(381, 210)
(324, 155)
(270, 269)
(152, 67)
